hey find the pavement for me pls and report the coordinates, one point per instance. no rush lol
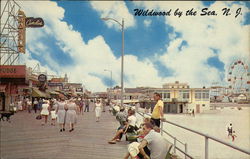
(25, 137)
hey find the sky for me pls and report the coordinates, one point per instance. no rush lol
(197, 50)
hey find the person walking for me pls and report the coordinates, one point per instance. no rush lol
(35, 105)
(53, 116)
(40, 103)
(233, 136)
(98, 109)
(61, 112)
(71, 116)
(157, 114)
(45, 111)
(20, 105)
(193, 113)
(29, 105)
(230, 130)
(86, 105)
(81, 105)
(103, 105)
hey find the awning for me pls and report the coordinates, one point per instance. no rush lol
(38, 93)
(54, 93)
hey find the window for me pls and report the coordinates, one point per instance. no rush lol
(184, 94)
(166, 95)
(202, 94)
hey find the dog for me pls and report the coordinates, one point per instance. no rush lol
(7, 115)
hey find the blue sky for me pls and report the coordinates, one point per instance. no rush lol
(157, 49)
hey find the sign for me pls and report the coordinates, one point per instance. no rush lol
(21, 32)
(53, 84)
(57, 80)
(31, 22)
(42, 78)
(79, 89)
(12, 71)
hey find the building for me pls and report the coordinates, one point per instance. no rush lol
(103, 95)
(180, 98)
(12, 79)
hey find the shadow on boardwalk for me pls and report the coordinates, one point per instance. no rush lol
(24, 137)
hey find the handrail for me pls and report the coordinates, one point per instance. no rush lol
(206, 138)
(184, 153)
(173, 137)
(212, 138)
(165, 131)
(175, 147)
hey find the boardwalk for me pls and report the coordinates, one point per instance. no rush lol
(24, 137)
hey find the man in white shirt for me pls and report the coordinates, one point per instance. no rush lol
(155, 142)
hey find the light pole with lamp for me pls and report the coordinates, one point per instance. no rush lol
(122, 25)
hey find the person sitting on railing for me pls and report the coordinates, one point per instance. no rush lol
(133, 148)
(157, 114)
(147, 120)
(122, 118)
(130, 127)
(155, 142)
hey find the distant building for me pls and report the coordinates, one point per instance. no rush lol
(103, 95)
(217, 93)
(177, 97)
(180, 98)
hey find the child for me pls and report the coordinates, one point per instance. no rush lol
(233, 136)
(53, 117)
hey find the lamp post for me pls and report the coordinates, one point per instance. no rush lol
(122, 59)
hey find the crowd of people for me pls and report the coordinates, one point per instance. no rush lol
(63, 110)
(147, 141)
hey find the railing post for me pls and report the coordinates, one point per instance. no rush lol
(206, 147)
(161, 128)
(186, 150)
(174, 145)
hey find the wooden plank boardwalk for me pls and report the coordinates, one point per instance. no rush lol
(25, 138)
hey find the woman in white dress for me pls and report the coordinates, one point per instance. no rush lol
(60, 111)
(98, 110)
(71, 114)
(45, 111)
(20, 105)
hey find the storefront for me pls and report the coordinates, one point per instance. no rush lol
(11, 77)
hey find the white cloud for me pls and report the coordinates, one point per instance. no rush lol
(226, 34)
(147, 22)
(116, 10)
(90, 58)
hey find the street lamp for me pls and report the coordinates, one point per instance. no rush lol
(122, 25)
